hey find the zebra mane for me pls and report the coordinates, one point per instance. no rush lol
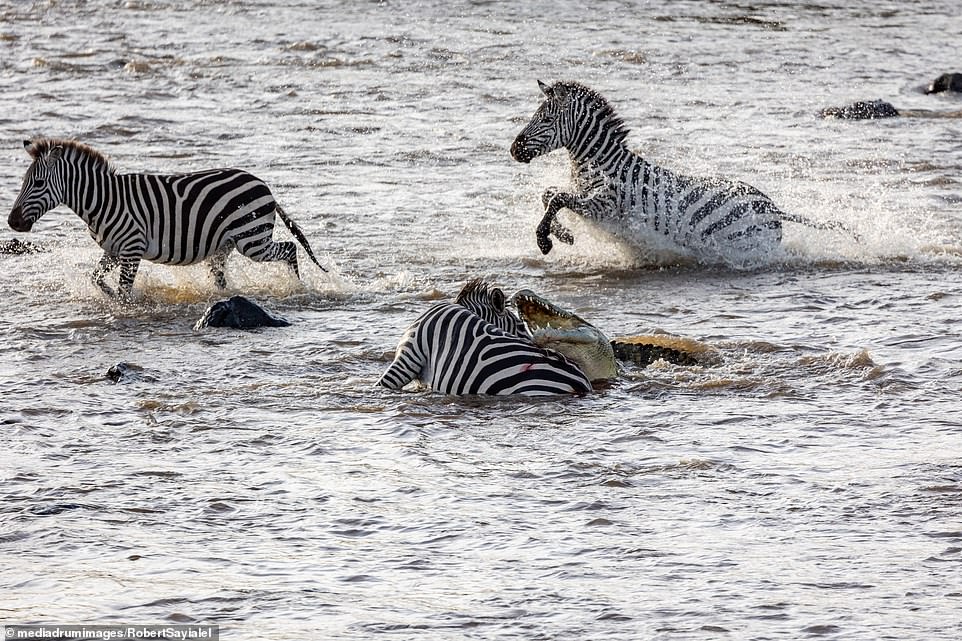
(473, 288)
(598, 104)
(40, 146)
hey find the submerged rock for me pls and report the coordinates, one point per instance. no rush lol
(17, 246)
(238, 312)
(127, 373)
(118, 371)
(861, 110)
(55, 508)
(946, 82)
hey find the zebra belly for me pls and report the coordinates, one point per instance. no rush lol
(709, 227)
(156, 253)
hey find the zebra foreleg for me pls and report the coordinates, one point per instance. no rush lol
(559, 230)
(128, 271)
(407, 366)
(548, 194)
(550, 225)
(106, 265)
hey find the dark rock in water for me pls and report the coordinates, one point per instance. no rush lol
(946, 82)
(117, 372)
(17, 246)
(127, 373)
(240, 313)
(861, 110)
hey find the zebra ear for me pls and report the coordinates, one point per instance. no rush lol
(54, 155)
(560, 93)
(497, 299)
(545, 89)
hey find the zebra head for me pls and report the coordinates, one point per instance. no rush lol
(490, 304)
(42, 188)
(546, 130)
(569, 113)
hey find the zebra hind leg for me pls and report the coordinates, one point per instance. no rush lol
(286, 251)
(218, 263)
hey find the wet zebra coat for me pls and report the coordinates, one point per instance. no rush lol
(172, 219)
(453, 349)
(712, 219)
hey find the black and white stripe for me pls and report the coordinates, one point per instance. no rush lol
(175, 219)
(712, 219)
(476, 346)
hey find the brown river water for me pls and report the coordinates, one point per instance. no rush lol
(807, 485)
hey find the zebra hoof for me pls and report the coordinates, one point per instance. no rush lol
(107, 290)
(544, 244)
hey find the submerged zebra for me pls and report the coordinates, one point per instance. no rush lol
(172, 219)
(477, 346)
(714, 220)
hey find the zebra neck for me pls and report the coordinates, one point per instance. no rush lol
(603, 160)
(91, 193)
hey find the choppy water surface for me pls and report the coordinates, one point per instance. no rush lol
(808, 485)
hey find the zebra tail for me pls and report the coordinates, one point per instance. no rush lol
(298, 234)
(832, 225)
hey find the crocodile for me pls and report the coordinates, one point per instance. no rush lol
(567, 333)
(587, 346)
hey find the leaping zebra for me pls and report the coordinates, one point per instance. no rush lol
(172, 219)
(712, 219)
(477, 346)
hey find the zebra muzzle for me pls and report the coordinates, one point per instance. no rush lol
(519, 150)
(17, 221)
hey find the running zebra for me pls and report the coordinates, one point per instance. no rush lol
(477, 346)
(714, 220)
(175, 219)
